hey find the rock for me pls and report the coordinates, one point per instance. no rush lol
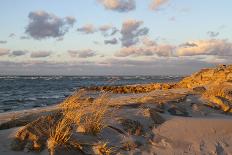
(155, 116)
(65, 151)
(216, 75)
(200, 90)
(178, 111)
(17, 145)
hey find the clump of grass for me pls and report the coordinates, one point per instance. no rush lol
(93, 121)
(86, 113)
(220, 95)
(104, 149)
(60, 136)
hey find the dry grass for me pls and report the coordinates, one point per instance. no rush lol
(220, 95)
(77, 110)
(60, 134)
(104, 149)
(88, 114)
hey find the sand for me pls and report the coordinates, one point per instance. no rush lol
(194, 129)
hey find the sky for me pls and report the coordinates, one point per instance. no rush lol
(114, 37)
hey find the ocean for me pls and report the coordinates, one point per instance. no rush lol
(25, 92)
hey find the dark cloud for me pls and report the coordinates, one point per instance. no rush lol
(87, 29)
(112, 41)
(212, 34)
(24, 37)
(40, 54)
(18, 53)
(4, 51)
(108, 30)
(44, 25)
(12, 35)
(118, 5)
(70, 20)
(188, 44)
(82, 53)
(3, 41)
(131, 31)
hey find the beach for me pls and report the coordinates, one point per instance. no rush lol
(192, 116)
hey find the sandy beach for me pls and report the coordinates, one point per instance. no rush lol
(192, 116)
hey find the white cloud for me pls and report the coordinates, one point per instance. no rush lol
(156, 4)
(206, 47)
(158, 50)
(4, 51)
(87, 29)
(119, 5)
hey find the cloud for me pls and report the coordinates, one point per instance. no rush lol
(156, 4)
(70, 20)
(212, 34)
(148, 42)
(188, 44)
(60, 39)
(163, 66)
(44, 25)
(87, 29)
(112, 41)
(82, 53)
(12, 35)
(18, 53)
(108, 30)
(3, 41)
(206, 47)
(158, 50)
(4, 51)
(24, 37)
(213, 47)
(118, 5)
(131, 31)
(40, 54)
(105, 28)
(172, 19)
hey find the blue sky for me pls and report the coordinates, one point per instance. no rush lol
(195, 33)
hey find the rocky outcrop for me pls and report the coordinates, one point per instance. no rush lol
(218, 75)
(211, 76)
(140, 88)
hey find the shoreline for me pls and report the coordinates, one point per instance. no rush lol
(192, 116)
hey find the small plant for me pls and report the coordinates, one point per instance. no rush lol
(104, 149)
(60, 136)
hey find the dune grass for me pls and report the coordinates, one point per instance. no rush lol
(77, 110)
(88, 114)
